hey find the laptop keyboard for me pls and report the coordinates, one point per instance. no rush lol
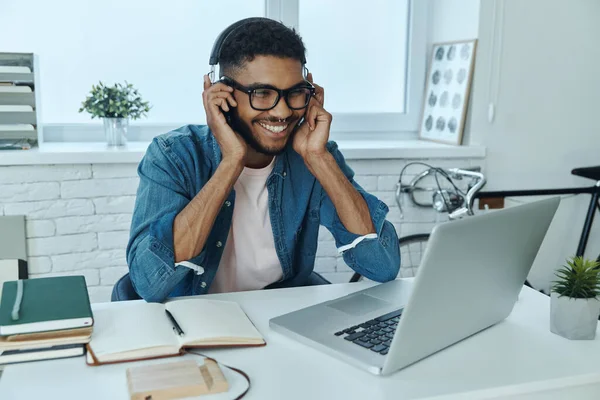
(375, 334)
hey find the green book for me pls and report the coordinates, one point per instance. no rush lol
(47, 304)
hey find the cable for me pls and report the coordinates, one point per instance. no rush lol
(440, 191)
(435, 170)
(239, 371)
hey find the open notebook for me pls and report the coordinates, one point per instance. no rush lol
(131, 331)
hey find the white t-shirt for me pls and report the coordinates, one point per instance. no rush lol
(249, 260)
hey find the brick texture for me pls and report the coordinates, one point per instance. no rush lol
(78, 216)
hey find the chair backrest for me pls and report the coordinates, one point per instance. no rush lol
(123, 290)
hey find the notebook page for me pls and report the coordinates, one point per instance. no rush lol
(203, 320)
(131, 327)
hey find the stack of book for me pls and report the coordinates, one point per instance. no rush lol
(44, 318)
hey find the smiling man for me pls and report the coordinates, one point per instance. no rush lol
(236, 204)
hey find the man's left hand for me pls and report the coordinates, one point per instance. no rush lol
(311, 138)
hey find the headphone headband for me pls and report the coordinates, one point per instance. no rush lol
(215, 54)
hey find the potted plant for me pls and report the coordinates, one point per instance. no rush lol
(116, 105)
(574, 302)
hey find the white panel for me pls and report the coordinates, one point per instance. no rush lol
(357, 52)
(161, 47)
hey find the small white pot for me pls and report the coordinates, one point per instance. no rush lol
(572, 318)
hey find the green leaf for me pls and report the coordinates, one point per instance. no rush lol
(118, 100)
(579, 278)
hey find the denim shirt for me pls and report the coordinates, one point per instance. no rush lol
(173, 171)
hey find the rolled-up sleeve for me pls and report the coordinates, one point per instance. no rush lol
(161, 195)
(375, 256)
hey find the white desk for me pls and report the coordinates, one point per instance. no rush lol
(519, 350)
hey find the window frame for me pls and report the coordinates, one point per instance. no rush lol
(350, 126)
(379, 125)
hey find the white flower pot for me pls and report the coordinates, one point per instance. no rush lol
(574, 318)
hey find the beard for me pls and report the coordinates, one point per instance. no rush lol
(245, 131)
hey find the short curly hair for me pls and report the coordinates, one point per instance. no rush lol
(259, 38)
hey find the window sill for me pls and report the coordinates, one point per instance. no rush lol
(100, 153)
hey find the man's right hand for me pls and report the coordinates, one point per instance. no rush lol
(218, 98)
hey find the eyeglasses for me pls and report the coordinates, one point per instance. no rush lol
(266, 97)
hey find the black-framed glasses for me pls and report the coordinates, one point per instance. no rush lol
(266, 97)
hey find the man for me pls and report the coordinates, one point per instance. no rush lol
(236, 205)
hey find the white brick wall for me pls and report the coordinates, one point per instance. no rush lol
(114, 170)
(50, 209)
(29, 191)
(327, 249)
(49, 173)
(367, 182)
(92, 276)
(78, 216)
(41, 228)
(61, 244)
(113, 240)
(108, 276)
(98, 188)
(93, 259)
(99, 294)
(39, 265)
(114, 205)
(92, 223)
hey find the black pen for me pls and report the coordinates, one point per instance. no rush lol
(176, 326)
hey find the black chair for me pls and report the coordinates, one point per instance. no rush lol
(315, 279)
(123, 289)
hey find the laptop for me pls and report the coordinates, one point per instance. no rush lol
(469, 279)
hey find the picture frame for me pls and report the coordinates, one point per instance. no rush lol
(447, 91)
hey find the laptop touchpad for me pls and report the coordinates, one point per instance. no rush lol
(358, 305)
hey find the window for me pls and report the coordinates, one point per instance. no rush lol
(358, 53)
(161, 47)
(369, 56)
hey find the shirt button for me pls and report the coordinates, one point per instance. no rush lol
(219, 244)
(203, 284)
(228, 203)
(284, 173)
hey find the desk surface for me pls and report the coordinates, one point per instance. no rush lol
(518, 350)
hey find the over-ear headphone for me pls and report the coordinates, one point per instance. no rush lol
(215, 53)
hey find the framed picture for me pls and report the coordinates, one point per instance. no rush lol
(447, 91)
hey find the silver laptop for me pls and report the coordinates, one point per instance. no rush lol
(387, 327)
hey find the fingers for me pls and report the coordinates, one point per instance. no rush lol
(225, 102)
(311, 117)
(317, 114)
(319, 94)
(231, 101)
(319, 91)
(223, 95)
(221, 102)
(217, 95)
(215, 87)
